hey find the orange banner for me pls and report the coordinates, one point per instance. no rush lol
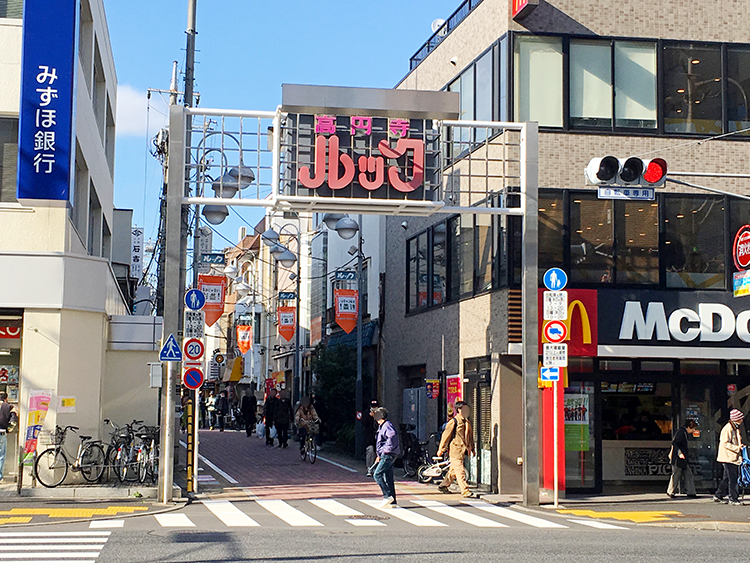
(347, 307)
(244, 338)
(214, 288)
(287, 317)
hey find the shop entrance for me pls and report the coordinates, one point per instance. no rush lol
(621, 414)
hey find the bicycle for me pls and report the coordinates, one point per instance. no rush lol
(52, 465)
(119, 436)
(147, 453)
(127, 453)
(308, 448)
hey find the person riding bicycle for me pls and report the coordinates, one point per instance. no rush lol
(305, 417)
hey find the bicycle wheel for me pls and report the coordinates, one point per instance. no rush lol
(154, 464)
(421, 477)
(303, 450)
(111, 457)
(312, 450)
(121, 463)
(51, 467)
(141, 463)
(410, 468)
(92, 462)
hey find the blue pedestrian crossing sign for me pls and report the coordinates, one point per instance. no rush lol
(550, 374)
(171, 351)
(555, 279)
(195, 299)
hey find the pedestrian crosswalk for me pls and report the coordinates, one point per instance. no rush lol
(345, 513)
(52, 546)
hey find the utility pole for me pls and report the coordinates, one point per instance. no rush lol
(359, 431)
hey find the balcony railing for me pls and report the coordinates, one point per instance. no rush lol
(450, 24)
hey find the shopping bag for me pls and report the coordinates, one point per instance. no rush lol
(260, 430)
(273, 434)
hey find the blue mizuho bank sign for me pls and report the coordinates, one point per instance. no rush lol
(46, 129)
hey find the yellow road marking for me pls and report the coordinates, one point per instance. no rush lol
(639, 517)
(15, 520)
(70, 512)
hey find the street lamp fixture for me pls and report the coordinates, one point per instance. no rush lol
(215, 214)
(277, 249)
(242, 288)
(270, 236)
(287, 258)
(330, 219)
(347, 228)
(230, 270)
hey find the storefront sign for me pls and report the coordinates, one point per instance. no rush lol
(576, 415)
(741, 248)
(674, 324)
(244, 338)
(522, 8)
(433, 388)
(214, 288)
(741, 283)
(46, 126)
(581, 321)
(346, 303)
(454, 391)
(9, 375)
(647, 462)
(38, 406)
(136, 254)
(287, 318)
(10, 332)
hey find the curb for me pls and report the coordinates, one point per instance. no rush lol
(712, 525)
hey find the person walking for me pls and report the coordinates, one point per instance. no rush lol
(370, 430)
(268, 408)
(730, 456)
(211, 408)
(303, 418)
(249, 407)
(222, 409)
(282, 417)
(458, 441)
(681, 463)
(8, 415)
(387, 448)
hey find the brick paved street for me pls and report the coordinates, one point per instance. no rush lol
(271, 472)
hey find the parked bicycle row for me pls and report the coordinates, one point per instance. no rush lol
(132, 454)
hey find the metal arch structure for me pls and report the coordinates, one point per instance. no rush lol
(483, 167)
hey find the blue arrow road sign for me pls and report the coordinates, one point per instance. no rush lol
(555, 279)
(170, 352)
(195, 299)
(550, 374)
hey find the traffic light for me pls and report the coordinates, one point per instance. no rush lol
(633, 171)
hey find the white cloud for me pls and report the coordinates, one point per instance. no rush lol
(133, 115)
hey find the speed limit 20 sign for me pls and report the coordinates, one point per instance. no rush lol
(194, 349)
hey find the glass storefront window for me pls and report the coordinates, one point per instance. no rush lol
(738, 89)
(464, 85)
(412, 281)
(591, 239)
(422, 268)
(539, 80)
(8, 157)
(461, 240)
(591, 83)
(638, 242)
(692, 89)
(439, 238)
(483, 109)
(635, 84)
(485, 254)
(636, 411)
(694, 245)
(551, 231)
(580, 437)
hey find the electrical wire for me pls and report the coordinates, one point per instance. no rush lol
(695, 142)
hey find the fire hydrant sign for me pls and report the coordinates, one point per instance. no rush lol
(555, 355)
(555, 305)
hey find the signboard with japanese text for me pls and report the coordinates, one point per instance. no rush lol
(205, 245)
(46, 125)
(195, 324)
(741, 248)
(555, 355)
(454, 391)
(287, 318)
(214, 288)
(244, 338)
(346, 304)
(629, 194)
(555, 305)
(39, 401)
(136, 253)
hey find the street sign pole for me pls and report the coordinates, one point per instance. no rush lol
(190, 446)
(555, 457)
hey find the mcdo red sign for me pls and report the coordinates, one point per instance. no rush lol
(741, 250)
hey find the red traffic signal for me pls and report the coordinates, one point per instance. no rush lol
(656, 171)
(610, 170)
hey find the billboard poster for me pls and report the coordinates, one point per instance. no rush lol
(244, 338)
(287, 318)
(38, 406)
(576, 413)
(454, 391)
(214, 288)
(347, 308)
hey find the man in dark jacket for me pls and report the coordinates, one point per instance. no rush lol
(249, 407)
(268, 409)
(680, 461)
(222, 409)
(282, 417)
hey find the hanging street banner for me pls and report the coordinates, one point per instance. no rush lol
(287, 317)
(244, 338)
(46, 127)
(454, 391)
(39, 401)
(214, 288)
(347, 308)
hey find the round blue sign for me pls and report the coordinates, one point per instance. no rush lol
(555, 279)
(195, 299)
(193, 378)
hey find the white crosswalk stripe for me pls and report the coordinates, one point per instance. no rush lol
(462, 515)
(598, 525)
(406, 515)
(51, 547)
(229, 513)
(513, 515)
(174, 520)
(340, 509)
(288, 513)
(107, 524)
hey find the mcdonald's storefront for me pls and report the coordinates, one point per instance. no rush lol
(640, 363)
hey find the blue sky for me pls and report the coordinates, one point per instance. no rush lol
(246, 50)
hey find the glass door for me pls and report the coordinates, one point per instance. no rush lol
(581, 468)
(696, 403)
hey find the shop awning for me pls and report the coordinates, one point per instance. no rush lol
(234, 373)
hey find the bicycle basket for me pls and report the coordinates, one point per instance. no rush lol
(50, 438)
(313, 428)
